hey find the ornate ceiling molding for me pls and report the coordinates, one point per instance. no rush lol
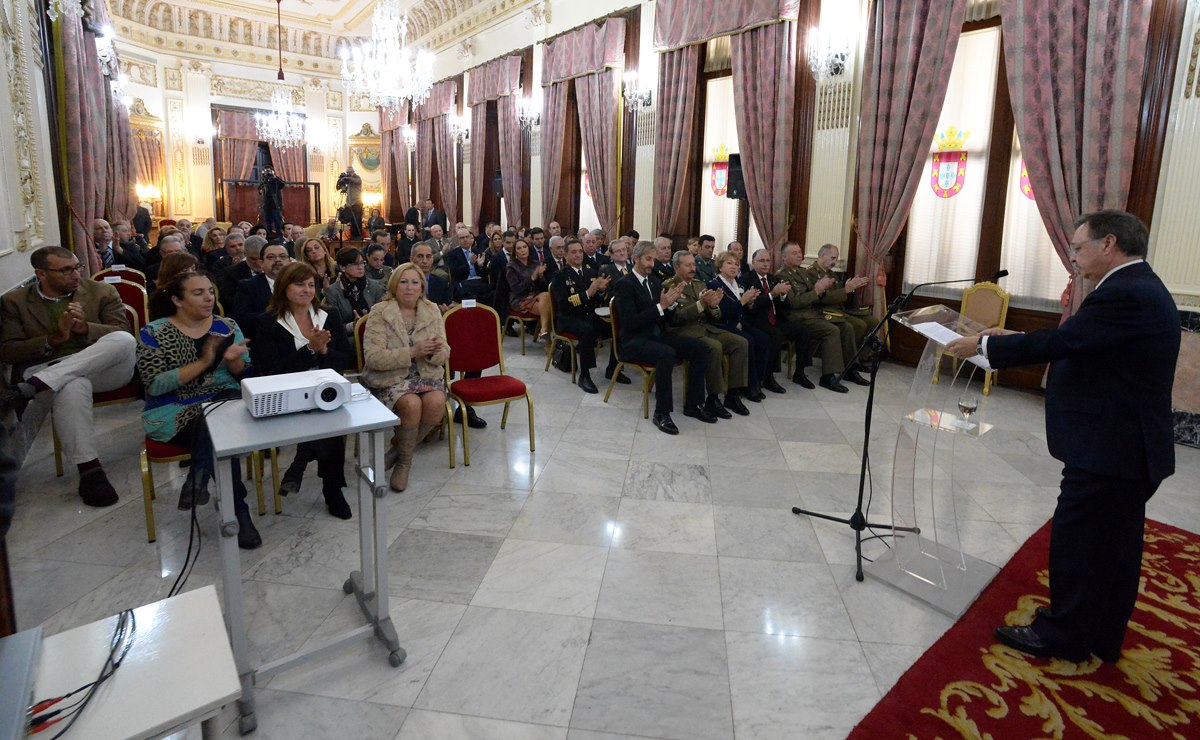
(256, 90)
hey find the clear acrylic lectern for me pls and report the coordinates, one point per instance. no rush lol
(943, 406)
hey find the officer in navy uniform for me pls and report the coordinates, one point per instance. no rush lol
(577, 291)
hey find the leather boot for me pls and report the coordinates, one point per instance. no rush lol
(406, 440)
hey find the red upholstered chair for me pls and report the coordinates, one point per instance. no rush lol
(567, 338)
(521, 318)
(125, 273)
(474, 338)
(134, 296)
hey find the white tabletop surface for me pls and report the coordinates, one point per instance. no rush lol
(179, 669)
(235, 432)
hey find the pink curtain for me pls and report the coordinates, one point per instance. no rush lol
(148, 158)
(554, 107)
(121, 166)
(290, 163)
(478, 139)
(443, 143)
(82, 98)
(678, 119)
(511, 150)
(678, 23)
(911, 45)
(1075, 76)
(424, 159)
(237, 158)
(395, 161)
(598, 110)
(764, 91)
(236, 124)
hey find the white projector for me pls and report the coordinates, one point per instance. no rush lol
(286, 394)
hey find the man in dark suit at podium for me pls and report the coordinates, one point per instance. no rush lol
(1108, 419)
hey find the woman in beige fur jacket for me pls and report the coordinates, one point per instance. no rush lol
(404, 355)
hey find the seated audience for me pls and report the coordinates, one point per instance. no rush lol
(527, 288)
(556, 253)
(737, 248)
(184, 362)
(249, 267)
(254, 294)
(292, 336)
(314, 254)
(332, 230)
(706, 270)
(382, 238)
(212, 247)
(735, 318)
(767, 313)
(203, 228)
(377, 267)
(640, 306)
(375, 222)
(468, 277)
(436, 288)
(112, 251)
(663, 268)
(404, 356)
(405, 244)
(65, 338)
(577, 291)
(835, 301)
(158, 303)
(352, 294)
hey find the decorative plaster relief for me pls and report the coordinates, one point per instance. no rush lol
(238, 87)
(173, 79)
(140, 72)
(333, 100)
(29, 226)
(361, 104)
(180, 190)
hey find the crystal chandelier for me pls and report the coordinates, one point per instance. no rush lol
(383, 68)
(281, 127)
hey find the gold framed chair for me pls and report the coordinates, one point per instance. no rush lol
(985, 303)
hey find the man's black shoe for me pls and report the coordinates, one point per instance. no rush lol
(854, 377)
(473, 419)
(95, 490)
(715, 409)
(664, 423)
(830, 381)
(292, 478)
(754, 394)
(699, 412)
(586, 384)
(734, 404)
(1028, 641)
(802, 380)
(773, 385)
(248, 536)
(621, 379)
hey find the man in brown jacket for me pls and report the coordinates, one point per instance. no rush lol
(66, 338)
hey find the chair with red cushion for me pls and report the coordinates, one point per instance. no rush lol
(124, 273)
(521, 318)
(474, 338)
(134, 296)
(567, 338)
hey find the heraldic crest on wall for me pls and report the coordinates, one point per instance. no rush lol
(949, 163)
(719, 181)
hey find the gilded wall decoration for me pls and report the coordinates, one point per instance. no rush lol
(29, 226)
(237, 87)
(140, 72)
(361, 104)
(333, 100)
(173, 79)
(365, 149)
(180, 191)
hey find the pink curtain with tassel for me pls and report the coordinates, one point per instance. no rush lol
(82, 116)
(121, 163)
(1075, 75)
(511, 149)
(554, 107)
(597, 98)
(443, 143)
(678, 119)
(911, 46)
(478, 139)
(424, 159)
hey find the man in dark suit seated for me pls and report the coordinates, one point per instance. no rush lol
(1108, 419)
(590, 251)
(436, 288)
(232, 276)
(577, 291)
(556, 255)
(767, 313)
(641, 306)
(468, 277)
(254, 294)
(538, 249)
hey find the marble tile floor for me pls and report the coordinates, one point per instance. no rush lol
(615, 583)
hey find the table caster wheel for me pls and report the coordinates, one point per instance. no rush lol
(348, 586)
(396, 658)
(247, 723)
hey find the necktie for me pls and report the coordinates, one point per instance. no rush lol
(107, 258)
(770, 303)
(470, 263)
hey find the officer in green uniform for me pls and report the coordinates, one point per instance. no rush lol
(834, 300)
(832, 336)
(695, 311)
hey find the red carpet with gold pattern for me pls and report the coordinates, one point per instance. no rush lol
(967, 685)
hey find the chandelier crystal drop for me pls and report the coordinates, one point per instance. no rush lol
(281, 127)
(383, 68)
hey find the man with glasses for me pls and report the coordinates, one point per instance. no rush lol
(1108, 419)
(254, 294)
(66, 338)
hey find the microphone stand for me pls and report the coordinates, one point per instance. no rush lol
(858, 520)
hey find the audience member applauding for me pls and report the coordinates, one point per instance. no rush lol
(186, 359)
(352, 293)
(737, 248)
(641, 305)
(314, 254)
(254, 294)
(696, 316)
(404, 353)
(66, 338)
(159, 304)
(247, 268)
(577, 291)
(734, 318)
(766, 314)
(835, 300)
(436, 288)
(527, 287)
(293, 336)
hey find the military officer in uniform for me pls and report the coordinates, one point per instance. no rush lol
(663, 269)
(834, 338)
(695, 314)
(576, 291)
(834, 300)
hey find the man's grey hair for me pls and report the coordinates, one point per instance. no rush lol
(235, 237)
(758, 252)
(614, 243)
(171, 238)
(254, 245)
(557, 241)
(675, 258)
(826, 249)
(661, 241)
(597, 232)
(642, 248)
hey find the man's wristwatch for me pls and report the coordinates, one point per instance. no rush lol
(979, 346)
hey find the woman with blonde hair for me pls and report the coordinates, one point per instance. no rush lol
(213, 247)
(315, 255)
(404, 356)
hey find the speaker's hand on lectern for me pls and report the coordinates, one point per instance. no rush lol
(963, 347)
(997, 331)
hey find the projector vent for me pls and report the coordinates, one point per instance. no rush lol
(270, 404)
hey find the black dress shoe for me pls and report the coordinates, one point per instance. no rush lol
(830, 382)
(755, 396)
(335, 502)
(854, 377)
(586, 384)
(473, 419)
(248, 536)
(715, 409)
(734, 404)
(802, 380)
(664, 423)
(621, 379)
(1028, 641)
(292, 479)
(701, 413)
(773, 385)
